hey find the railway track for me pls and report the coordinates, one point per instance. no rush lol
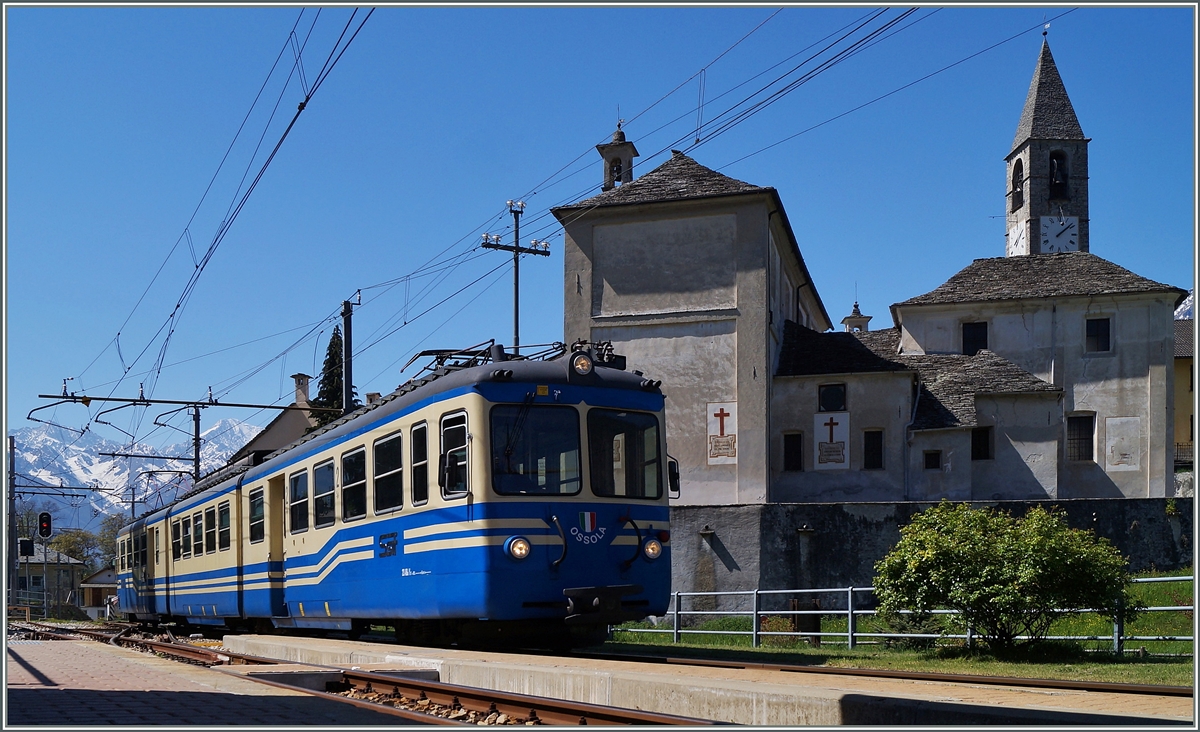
(414, 700)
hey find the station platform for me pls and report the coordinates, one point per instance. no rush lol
(740, 696)
(74, 684)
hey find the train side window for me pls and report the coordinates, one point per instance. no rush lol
(452, 466)
(420, 464)
(222, 528)
(354, 485)
(298, 513)
(157, 533)
(198, 533)
(145, 548)
(176, 547)
(210, 530)
(323, 495)
(186, 539)
(389, 473)
(258, 521)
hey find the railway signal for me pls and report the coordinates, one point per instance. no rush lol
(44, 526)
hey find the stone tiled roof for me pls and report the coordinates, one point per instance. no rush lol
(1184, 339)
(950, 382)
(1064, 274)
(1048, 114)
(806, 352)
(679, 178)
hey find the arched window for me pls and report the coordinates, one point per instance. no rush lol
(615, 167)
(1059, 190)
(1018, 185)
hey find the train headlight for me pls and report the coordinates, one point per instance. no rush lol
(517, 547)
(582, 364)
(652, 548)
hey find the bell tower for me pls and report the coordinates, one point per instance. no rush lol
(1047, 182)
(618, 160)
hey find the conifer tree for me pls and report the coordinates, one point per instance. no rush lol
(329, 388)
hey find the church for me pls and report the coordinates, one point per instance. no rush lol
(1042, 374)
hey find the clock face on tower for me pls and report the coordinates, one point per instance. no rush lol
(1016, 244)
(1059, 234)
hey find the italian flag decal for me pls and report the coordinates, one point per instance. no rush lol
(587, 521)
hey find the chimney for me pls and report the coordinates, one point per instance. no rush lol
(373, 397)
(301, 387)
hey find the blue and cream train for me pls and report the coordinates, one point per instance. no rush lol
(495, 499)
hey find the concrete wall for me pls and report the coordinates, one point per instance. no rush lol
(1025, 431)
(785, 546)
(1128, 389)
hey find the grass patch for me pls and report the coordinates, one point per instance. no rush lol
(1162, 662)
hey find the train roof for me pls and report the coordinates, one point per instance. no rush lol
(454, 369)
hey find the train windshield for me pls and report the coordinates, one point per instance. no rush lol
(623, 448)
(535, 450)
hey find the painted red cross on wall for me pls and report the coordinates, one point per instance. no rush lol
(831, 424)
(721, 414)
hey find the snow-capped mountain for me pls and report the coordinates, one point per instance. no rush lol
(1184, 311)
(53, 456)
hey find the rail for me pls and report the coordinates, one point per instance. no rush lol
(852, 607)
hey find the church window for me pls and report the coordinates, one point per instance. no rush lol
(793, 452)
(1018, 185)
(831, 398)
(1080, 437)
(933, 459)
(1059, 190)
(982, 444)
(873, 450)
(1097, 336)
(616, 169)
(974, 338)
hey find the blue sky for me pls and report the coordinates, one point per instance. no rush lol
(117, 119)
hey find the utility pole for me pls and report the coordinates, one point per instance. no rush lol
(347, 356)
(541, 248)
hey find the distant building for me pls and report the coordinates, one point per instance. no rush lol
(1185, 392)
(95, 591)
(289, 426)
(47, 576)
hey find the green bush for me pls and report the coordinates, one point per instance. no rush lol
(1007, 577)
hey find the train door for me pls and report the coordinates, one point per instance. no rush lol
(275, 509)
(150, 556)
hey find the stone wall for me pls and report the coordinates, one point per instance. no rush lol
(799, 545)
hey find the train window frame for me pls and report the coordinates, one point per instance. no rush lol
(356, 486)
(325, 502)
(157, 532)
(258, 522)
(185, 536)
(176, 545)
(223, 532)
(377, 475)
(658, 461)
(443, 452)
(297, 507)
(210, 530)
(420, 468)
(198, 534)
(145, 550)
(542, 470)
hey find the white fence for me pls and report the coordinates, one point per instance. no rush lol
(850, 606)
